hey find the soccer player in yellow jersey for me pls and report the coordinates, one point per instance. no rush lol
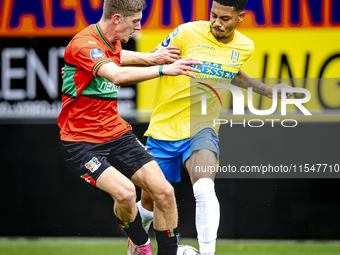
(172, 137)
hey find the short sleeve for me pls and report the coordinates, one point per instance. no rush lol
(175, 38)
(90, 57)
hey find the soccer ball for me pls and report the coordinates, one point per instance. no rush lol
(186, 250)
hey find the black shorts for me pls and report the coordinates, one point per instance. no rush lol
(125, 153)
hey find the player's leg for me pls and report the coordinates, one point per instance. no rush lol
(150, 178)
(168, 157)
(145, 207)
(90, 162)
(207, 206)
(123, 192)
(203, 159)
(146, 219)
(130, 156)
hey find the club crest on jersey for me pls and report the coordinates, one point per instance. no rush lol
(93, 164)
(235, 55)
(96, 53)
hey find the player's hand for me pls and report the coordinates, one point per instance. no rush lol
(269, 92)
(62, 72)
(165, 55)
(182, 66)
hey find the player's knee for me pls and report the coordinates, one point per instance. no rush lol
(126, 196)
(166, 196)
(204, 186)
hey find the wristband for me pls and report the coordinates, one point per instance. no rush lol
(160, 71)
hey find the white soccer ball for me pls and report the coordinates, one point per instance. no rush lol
(186, 250)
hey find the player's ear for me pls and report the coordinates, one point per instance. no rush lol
(241, 15)
(116, 18)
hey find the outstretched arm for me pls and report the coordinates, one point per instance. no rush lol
(161, 56)
(156, 57)
(122, 76)
(244, 81)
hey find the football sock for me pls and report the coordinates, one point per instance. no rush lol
(207, 214)
(147, 242)
(147, 216)
(134, 230)
(167, 241)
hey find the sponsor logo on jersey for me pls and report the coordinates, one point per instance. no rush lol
(206, 47)
(166, 42)
(109, 86)
(215, 70)
(90, 42)
(93, 164)
(96, 53)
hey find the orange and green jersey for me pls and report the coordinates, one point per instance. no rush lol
(172, 118)
(90, 110)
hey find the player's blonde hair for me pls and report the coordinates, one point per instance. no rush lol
(124, 7)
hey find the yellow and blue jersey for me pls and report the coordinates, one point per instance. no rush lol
(172, 119)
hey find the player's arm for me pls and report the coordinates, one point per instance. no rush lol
(244, 81)
(155, 57)
(159, 57)
(122, 76)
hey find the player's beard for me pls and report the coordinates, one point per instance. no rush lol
(218, 37)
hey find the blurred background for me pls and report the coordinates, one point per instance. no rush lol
(296, 41)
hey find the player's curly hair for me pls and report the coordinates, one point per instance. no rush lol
(124, 7)
(238, 5)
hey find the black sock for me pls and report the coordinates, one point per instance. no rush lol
(134, 230)
(167, 241)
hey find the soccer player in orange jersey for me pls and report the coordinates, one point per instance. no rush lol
(96, 142)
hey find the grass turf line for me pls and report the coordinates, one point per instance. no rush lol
(118, 246)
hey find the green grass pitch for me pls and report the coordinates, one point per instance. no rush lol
(92, 246)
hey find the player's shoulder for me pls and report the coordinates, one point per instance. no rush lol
(187, 31)
(82, 42)
(86, 38)
(194, 25)
(243, 41)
